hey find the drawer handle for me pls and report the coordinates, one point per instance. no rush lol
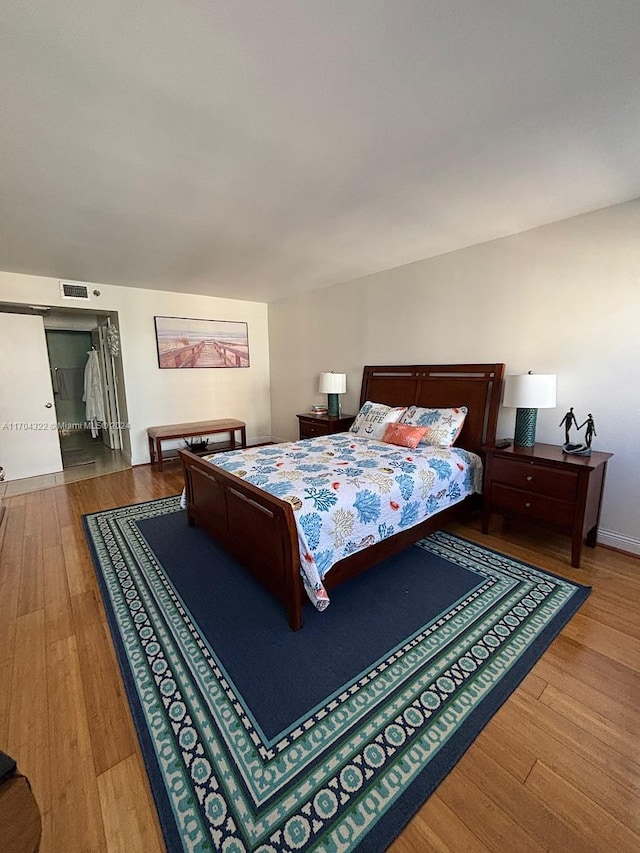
(528, 504)
(529, 478)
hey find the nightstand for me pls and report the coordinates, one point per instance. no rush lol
(548, 487)
(313, 425)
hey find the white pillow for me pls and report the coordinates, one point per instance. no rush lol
(372, 419)
(443, 425)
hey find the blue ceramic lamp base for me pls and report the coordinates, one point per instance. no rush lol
(333, 404)
(525, 434)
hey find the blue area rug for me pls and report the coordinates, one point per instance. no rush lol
(257, 738)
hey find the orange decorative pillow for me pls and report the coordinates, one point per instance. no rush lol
(404, 435)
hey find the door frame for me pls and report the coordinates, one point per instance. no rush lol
(53, 317)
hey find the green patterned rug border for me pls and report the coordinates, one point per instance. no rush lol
(330, 778)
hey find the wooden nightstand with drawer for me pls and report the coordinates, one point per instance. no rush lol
(548, 487)
(314, 425)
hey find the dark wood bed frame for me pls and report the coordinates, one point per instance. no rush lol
(259, 529)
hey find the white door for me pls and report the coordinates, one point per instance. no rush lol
(29, 443)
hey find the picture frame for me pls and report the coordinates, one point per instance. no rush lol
(186, 343)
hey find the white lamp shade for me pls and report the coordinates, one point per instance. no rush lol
(333, 383)
(530, 391)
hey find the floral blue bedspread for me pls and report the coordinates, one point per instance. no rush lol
(348, 492)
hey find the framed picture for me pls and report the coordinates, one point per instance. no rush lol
(201, 343)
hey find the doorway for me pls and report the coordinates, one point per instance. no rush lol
(67, 350)
(53, 344)
(82, 368)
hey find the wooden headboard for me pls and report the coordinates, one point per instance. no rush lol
(476, 386)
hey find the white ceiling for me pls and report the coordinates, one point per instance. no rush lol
(259, 148)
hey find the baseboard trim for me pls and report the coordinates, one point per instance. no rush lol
(257, 440)
(619, 541)
(276, 439)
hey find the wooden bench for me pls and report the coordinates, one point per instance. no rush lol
(158, 434)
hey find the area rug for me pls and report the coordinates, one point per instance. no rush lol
(258, 738)
(71, 458)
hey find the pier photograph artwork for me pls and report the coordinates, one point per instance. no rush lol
(184, 343)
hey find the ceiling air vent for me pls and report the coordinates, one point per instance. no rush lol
(71, 290)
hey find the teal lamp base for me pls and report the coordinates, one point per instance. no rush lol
(525, 434)
(333, 404)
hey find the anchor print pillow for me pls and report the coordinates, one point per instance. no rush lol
(372, 419)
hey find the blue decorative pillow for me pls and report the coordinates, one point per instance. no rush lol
(443, 425)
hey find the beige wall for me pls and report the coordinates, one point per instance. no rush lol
(564, 299)
(157, 396)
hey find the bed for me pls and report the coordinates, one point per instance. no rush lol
(259, 528)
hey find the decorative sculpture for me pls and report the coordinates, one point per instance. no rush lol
(568, 421)
(579, 449)
(590, 430)
(196, 445)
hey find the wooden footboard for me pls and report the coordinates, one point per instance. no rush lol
(257, 528)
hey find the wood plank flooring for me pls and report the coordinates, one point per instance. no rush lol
(556, 769)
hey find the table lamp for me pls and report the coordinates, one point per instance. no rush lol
(527, 393)
(333, 384)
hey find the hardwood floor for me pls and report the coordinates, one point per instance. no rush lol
(556, 769)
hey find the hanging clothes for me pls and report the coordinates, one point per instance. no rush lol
(93, 394)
